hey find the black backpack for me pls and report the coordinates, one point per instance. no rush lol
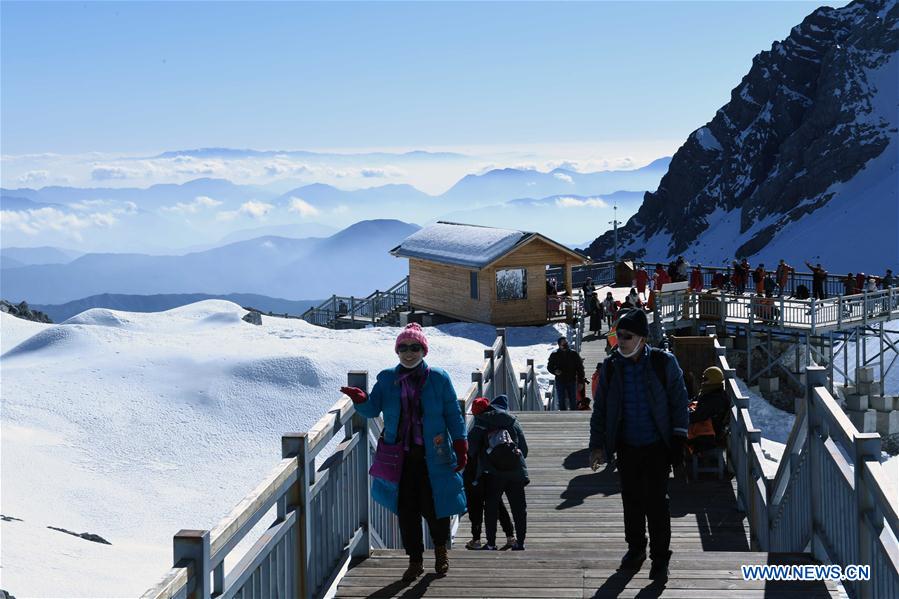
(502, 451)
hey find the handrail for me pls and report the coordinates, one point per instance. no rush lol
(324, 512)
(685, 307)
(368, 309)
(819, 498)
(833, 284)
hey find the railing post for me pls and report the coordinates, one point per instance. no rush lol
(478, 377)
(296, 444)
(193, 545)
(353, 310)
(867, 449)
(359, 378)
(865, 306)
(814, 313)
(815, 376)
(491, 372)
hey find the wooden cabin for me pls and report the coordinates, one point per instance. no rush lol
(484, 274)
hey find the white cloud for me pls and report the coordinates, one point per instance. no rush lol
(302, 207)
(564, 177)
(33, 222)
(199, 203)
(570, 202)
(253, 209)
(32, 177)
(281, 167)
(106, 173)
(342, 209)
(113, 206)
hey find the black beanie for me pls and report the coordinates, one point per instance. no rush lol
(634, 320)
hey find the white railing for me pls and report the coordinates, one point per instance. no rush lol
(686, 307)
(324, 514)
(829, 492)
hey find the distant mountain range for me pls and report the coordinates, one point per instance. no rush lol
(161, 302)
(199, 213)
(354, 261)
(802, 163)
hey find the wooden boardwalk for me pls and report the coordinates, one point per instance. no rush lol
(576, 538)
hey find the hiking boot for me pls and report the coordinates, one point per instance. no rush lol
(416, 568)
(510, 540)
(633, 559)
(518, 546)
(475, 543)
(441, 560)
(488, 547)
(659, 570)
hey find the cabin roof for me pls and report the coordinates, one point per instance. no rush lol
(469, 246)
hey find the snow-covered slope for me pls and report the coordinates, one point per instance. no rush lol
(801, 163)
(135, 425)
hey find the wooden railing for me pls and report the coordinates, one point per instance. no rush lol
(324, 514)
(829, 492)
(368, 310)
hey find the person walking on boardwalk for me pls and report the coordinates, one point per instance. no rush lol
(819, 277)
(475, 493)
(568, 368)
(589, 293)
(417, 466)
(640, 415)
(501, 449)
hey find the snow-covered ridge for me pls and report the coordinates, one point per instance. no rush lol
(135, 425)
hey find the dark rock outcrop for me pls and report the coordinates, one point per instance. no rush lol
(803, 118)
(87, 536)
(22, 310)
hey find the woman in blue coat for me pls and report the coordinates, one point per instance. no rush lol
(422, 415)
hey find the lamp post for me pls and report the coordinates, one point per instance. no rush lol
(614, 223)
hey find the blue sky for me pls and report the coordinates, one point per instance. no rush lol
(140, 77)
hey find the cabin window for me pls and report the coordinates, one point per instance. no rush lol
(473, 283)
(512, 284)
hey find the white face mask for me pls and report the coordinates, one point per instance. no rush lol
(417, 362)
(637, 349)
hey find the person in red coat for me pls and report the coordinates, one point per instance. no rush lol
(641, 278)
(696, 278)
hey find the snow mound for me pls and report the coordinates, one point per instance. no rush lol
(53, 338)
(14, 330)
(103, 317)
(287, 372)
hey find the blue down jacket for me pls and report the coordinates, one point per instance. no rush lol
(440, 417)
(668, 403)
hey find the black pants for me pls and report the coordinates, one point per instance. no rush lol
(416, 501)
(818, 290)
(644, 492)
(515, 494)
(477, 497)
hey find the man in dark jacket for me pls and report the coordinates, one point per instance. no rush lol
(643, 420)
(568, 367)
(501, 478)
(819, 278)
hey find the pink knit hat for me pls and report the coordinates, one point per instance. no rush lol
(412, 332)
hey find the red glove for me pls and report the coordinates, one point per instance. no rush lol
(355, 393)
(460, 446)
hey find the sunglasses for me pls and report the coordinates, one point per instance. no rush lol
(415, 347)
(625, 336)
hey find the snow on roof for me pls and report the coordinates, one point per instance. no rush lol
(462, 245)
